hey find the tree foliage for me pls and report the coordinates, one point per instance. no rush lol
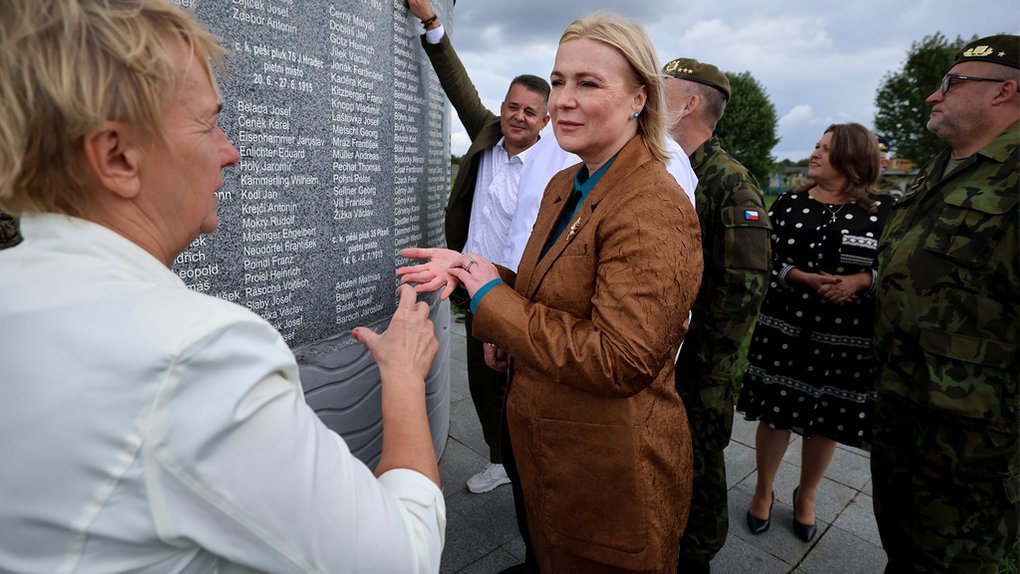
(791, 163)
(748, 128)
(902, 114)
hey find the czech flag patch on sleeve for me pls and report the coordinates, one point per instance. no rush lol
(751, 215)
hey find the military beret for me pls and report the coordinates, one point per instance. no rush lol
(695, 71)
(1000, 49)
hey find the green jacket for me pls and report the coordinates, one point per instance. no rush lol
(482, 127)
(736, 254)
(948, 319)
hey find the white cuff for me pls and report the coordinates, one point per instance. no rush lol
(874, 285)
(434, 35)
(783, 272)
(423, 509)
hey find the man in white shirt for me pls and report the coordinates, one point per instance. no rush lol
(145, 426)
(483, 202)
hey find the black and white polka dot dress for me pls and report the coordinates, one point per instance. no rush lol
(810, 364)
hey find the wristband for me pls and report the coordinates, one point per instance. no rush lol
(426, 23)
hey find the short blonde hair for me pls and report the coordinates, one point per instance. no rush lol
(68, 65)
(633, 43)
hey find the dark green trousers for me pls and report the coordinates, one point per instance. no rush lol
(944, 490)
(710, 415)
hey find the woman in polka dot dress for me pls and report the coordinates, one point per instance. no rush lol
(810, 366)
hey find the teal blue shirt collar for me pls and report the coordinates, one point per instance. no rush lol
(583, 184)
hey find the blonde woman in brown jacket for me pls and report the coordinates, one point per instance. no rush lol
(592, 320)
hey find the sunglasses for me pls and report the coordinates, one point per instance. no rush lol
(948, 80)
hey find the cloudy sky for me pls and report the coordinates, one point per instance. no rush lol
(820, 61)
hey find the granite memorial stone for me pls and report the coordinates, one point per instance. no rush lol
(344, 141)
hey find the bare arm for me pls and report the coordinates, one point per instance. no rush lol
(404, 353)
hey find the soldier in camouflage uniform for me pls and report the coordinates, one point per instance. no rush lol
(735, 239)
(944, 454)
(9, 234)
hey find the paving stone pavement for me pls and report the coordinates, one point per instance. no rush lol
(482, 536)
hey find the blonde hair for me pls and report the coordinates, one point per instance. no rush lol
(636, 47)
(66, 66)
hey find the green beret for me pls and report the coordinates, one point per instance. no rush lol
(1001, 49)
(695, 71)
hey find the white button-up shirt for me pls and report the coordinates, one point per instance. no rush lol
(146, 427)
(495, 201)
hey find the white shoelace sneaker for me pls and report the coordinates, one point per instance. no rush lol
(491, 476)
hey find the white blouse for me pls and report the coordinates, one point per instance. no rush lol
(146, 427)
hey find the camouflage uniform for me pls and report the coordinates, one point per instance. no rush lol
(735, 239)
(9, 234)
(944, 458)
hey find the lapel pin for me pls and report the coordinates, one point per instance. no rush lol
(573, 228)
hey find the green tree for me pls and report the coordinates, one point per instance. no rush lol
(748, 128)
(902, 114)
(790, 163)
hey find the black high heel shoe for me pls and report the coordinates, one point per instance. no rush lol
(758, 525)
(805, 532)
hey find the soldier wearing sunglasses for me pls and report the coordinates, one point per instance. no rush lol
(945, 439)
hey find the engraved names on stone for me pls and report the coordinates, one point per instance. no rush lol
(408, 161)
(356, 83)
(437, 140)
(340, 126)
(274, 182)
(265, 198)
(273, 14)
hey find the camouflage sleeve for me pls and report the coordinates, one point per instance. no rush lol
(747, 228)
(743, 261)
